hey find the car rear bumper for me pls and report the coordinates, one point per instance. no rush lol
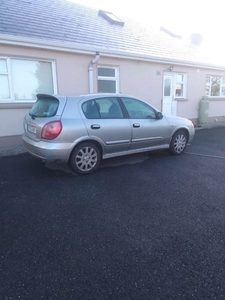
(46, 150)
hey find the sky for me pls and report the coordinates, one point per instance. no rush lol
(180, 16)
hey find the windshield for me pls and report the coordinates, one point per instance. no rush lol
(45, 107)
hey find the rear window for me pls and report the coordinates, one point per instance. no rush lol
(45, 107)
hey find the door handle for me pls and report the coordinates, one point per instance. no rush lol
(95, 126)
(136, 125)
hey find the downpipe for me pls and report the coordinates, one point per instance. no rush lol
(90, 72)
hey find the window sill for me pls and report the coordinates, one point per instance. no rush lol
(216, 98)
(16, 105)
(181, 99)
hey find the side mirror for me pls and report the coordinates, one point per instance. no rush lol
(159, 115)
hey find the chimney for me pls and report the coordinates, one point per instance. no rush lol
(196, 39)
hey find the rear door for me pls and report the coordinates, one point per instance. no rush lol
(105, 121)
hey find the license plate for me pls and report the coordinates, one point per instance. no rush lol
(31, 128)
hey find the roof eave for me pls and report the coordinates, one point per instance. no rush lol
(90, 49)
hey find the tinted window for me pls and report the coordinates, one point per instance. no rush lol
(90, 110)
(45, 107)
(109, 108)
(104, 108)
(138, 109)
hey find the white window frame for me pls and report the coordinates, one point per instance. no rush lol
(183, 82)
(110, 78)
(208, 85)
(10, 78)
(174, 82)
(8, 74)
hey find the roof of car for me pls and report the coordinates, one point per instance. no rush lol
(78, 26)
(94, 95)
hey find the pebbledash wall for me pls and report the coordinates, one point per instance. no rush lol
(139, 78)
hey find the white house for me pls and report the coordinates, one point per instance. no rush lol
(59, 47)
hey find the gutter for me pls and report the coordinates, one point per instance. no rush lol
(105, 52)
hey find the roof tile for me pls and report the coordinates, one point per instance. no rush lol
(61, 20)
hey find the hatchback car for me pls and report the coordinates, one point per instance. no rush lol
(82, 130)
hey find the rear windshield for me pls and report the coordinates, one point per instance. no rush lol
(45, 107)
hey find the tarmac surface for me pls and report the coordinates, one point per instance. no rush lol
(151, 228)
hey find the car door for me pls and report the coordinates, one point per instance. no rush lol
(147, 129)
(105, 122)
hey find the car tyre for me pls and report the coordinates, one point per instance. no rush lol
(85, 158)
(178, 142)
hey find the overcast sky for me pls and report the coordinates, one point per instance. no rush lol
(180, 16)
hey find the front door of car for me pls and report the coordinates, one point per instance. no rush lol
(105, 122)
(147, 130)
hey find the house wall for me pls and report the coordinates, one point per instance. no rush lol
(71, 76)
(11, 121)
(138, 78)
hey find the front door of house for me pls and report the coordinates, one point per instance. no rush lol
(169, 105)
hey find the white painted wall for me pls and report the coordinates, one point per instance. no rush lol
(11, 121)
(137, 78)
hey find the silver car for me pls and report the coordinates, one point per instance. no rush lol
(82, 130)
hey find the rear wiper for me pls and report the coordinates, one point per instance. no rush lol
(32, 116)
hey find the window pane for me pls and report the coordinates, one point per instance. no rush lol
(179, 90)
(30, 78)
(223, 90)
(45, 107)
(208, 80)
(90, 110)
(104, 105)
(167, 87)
(4, 87)
(106, 86)
(138, 110)
(180, 78)
(215, 86)
(207, 90)
(109, 108)
(3, 66)
(108, 72)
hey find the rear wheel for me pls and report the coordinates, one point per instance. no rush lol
(85, 158)
(178, 142)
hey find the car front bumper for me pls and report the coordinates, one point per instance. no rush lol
(191, 134)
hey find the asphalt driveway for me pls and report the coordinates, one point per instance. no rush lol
(150, 226)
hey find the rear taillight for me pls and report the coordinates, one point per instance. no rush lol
(51, 130)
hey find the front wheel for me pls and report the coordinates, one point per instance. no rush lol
(85, 158)
(178, 142)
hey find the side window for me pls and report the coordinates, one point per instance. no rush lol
(103, 108)
(109, 108)
(138, 110)
(108, 79)
(90, 110)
